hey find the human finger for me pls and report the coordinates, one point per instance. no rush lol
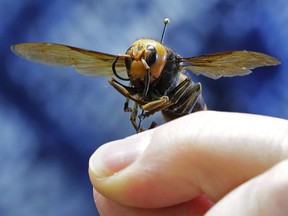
(263, 195)
(107, 207)
(207, 153)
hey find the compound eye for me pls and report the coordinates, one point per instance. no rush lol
(151, 56)
(128, 60)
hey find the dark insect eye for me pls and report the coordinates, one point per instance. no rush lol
(152, 57)
(128, 60)
(128, 63)
(170, 57)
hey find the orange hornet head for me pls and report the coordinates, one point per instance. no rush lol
(146, 54)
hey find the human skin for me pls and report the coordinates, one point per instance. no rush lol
(207, 162)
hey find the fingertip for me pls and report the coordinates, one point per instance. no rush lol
(115, 156)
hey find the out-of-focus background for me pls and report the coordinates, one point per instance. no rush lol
(52, 119)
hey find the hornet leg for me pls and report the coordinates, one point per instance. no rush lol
(166, 101)
(126, 91)
(186, 104)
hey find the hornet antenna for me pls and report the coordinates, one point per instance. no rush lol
(166, 21)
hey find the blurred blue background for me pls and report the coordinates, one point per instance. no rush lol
(52, 119)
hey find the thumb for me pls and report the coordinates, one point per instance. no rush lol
(207, 153)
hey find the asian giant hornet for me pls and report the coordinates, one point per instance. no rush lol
(156, 81)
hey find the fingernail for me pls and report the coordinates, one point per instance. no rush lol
(117, 155)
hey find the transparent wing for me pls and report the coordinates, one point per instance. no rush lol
(228, 64)
(85, 61)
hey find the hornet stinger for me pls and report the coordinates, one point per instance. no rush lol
(154, 73)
